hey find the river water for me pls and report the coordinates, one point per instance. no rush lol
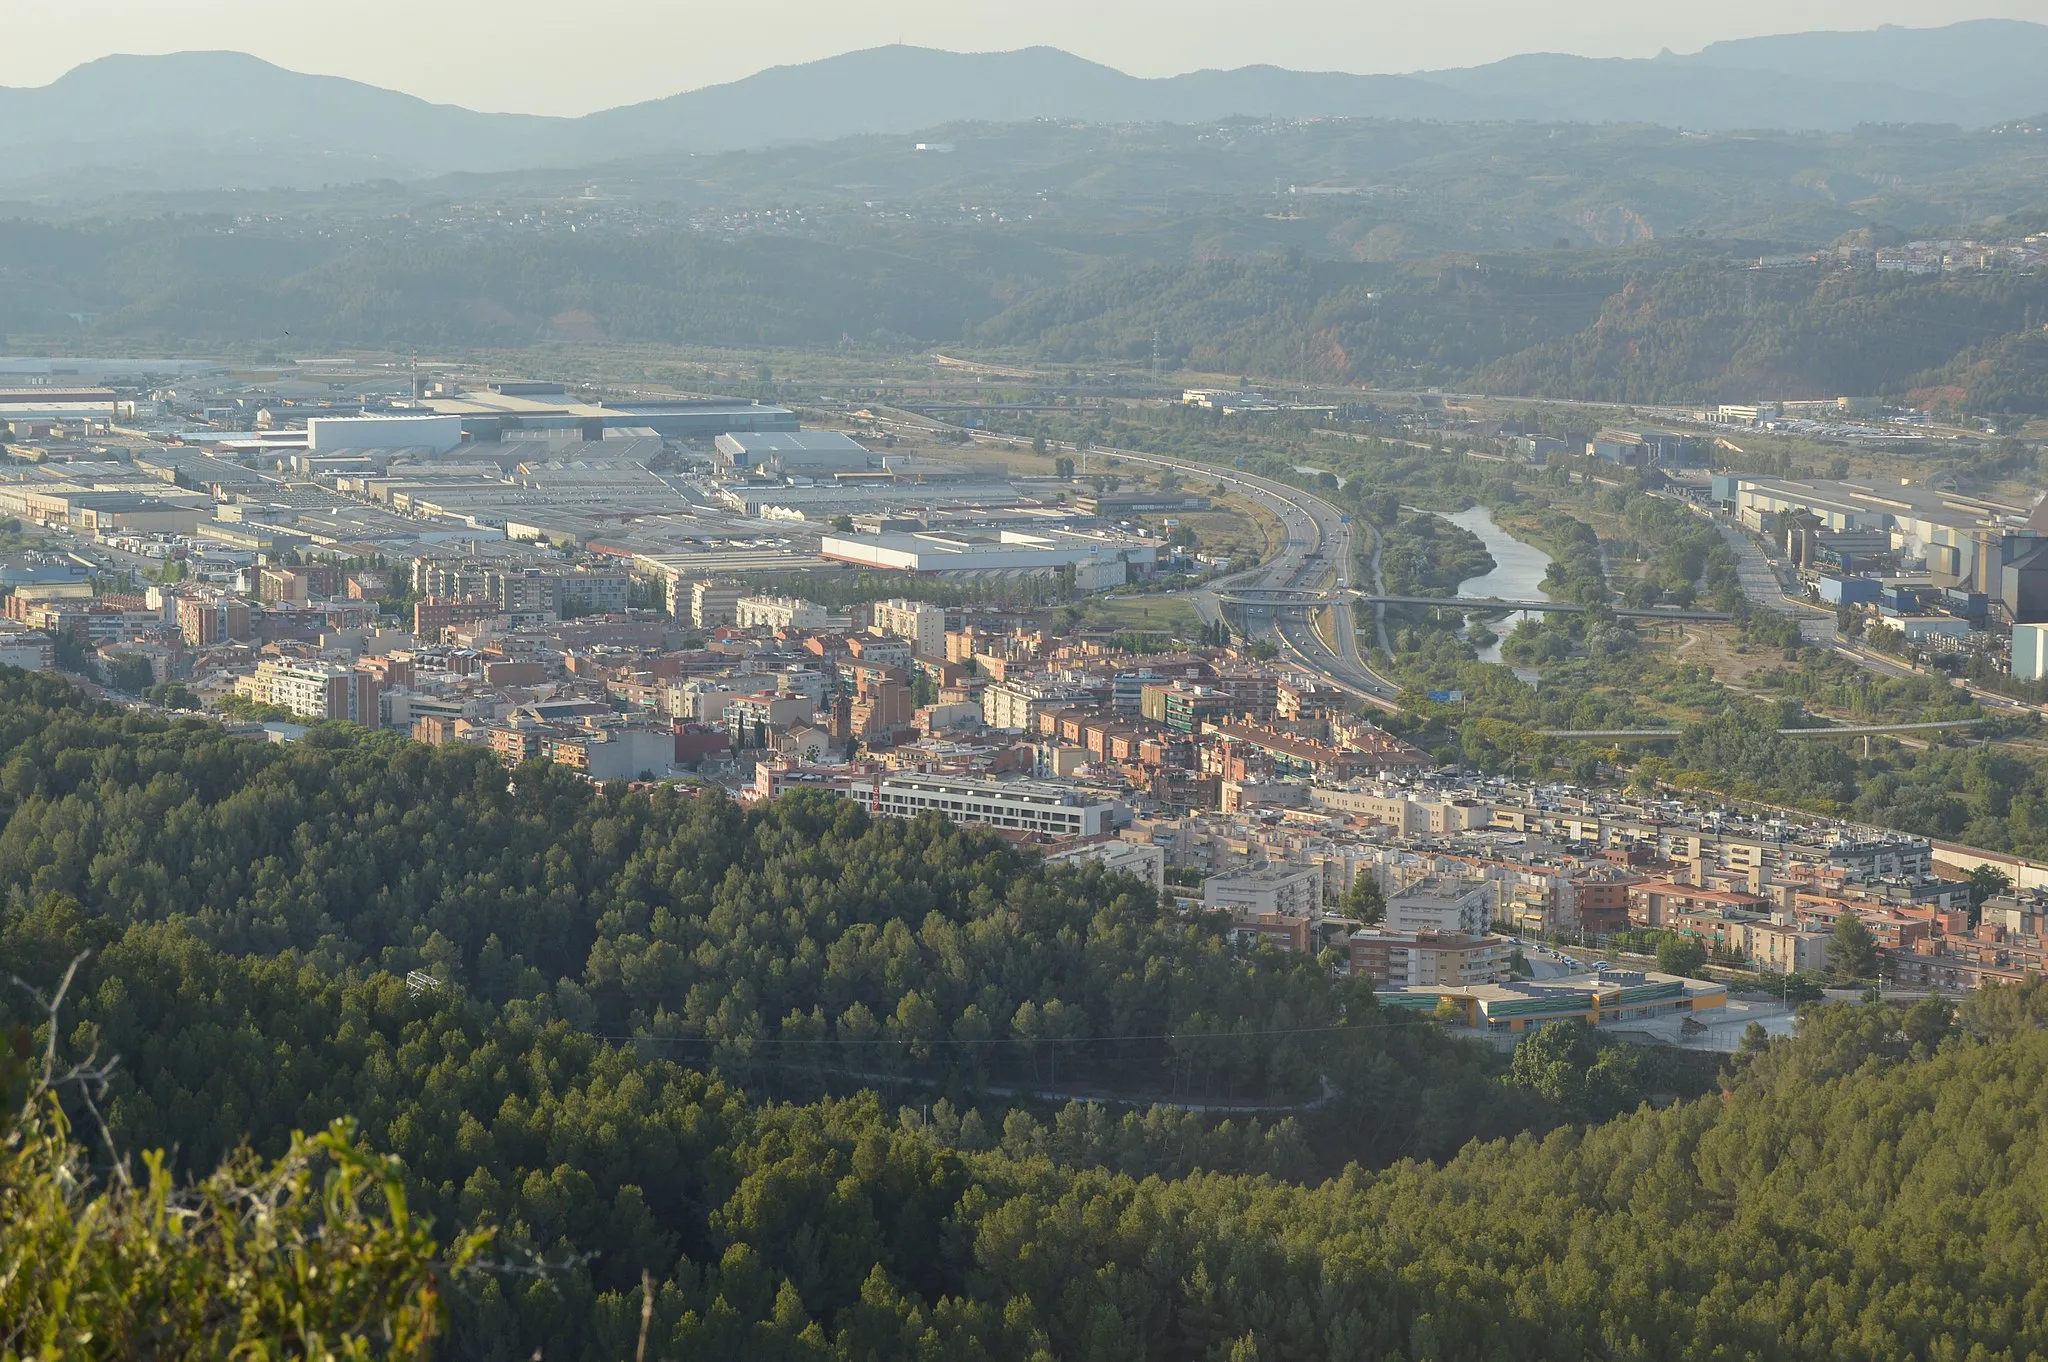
(1517, 575)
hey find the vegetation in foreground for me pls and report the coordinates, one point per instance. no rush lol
(1859, 1192)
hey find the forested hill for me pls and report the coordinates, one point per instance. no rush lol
(1862, 1193)
(1669, 322)
(253, 912)
(1706, 332)
(1615, 262)
(202, 283)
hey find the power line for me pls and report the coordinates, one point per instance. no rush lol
(1358, 1028)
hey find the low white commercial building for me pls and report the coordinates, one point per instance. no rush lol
(48, 402)
(1099, 560)
(1024, 805)
(1918, 627)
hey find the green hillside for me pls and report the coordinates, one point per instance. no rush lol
(1611, 263)
(616, 1076)
(1712, 332)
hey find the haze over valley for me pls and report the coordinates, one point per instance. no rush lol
(964, 705)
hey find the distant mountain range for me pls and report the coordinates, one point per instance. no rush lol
(227, 120)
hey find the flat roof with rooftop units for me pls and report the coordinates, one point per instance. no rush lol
(827, 501)
(1606, 998)
(61, 404)
(971, 551)
(730, 560)
(745, 451)
(488, 414)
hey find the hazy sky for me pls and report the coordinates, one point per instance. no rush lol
(570, 58)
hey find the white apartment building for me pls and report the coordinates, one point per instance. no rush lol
(313, 690)
(1009, 708)
(777, 612)
(593, 593)
(703, 699)
(805, 681)
(923, 624)
(1144, 861)
(1442, 905)
(1776, 949)
(748, 715)
(1292, 891)
(31, 651)
(712, 605)
(1014, 706)
(1025, 805)
(1407, 813)
(620, 753)
(886, 652)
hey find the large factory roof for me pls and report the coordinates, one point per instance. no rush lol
(487, 414)
(955, 551)
(790, 442)
(1875, 505)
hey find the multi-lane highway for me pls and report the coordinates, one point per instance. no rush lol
(1316, 554)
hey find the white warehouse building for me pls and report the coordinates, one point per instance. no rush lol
(326, 434)
(785, 451)
(63, 404)
(1100, 561)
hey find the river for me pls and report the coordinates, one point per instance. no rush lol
(1517, 575)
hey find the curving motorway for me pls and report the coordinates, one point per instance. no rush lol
(1317, 554)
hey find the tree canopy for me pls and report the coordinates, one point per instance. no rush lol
(583, 1068)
